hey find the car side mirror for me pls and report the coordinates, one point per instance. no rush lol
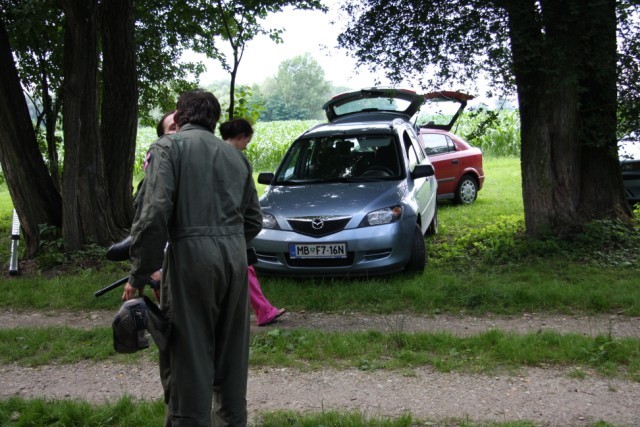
(422, 171)
(265, 178)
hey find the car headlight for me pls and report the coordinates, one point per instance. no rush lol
(382, 216)
(269, 221)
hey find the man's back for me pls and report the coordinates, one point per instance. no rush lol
(215, 183)
(195, 185)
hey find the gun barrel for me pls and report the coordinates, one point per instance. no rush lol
(111, 286)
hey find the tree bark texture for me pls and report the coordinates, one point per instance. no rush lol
(564, 64)
(119, 105)
(32, 191)
(86, 208)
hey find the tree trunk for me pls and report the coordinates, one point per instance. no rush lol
(601, 184)
(32, 192)
(119, 105)
(50, 111)
(86, 209)
(567, 114)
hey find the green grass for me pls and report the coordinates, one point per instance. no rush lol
(487, 353)
(480, 262)
(126, 412)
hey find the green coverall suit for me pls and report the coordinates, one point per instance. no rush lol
(199, 196)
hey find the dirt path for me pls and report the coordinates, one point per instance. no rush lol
(546, 396)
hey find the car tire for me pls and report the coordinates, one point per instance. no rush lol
(432, 230)
(467, 191)
(418, 259)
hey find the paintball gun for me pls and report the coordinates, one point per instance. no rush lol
(153, 283)
(120, 252)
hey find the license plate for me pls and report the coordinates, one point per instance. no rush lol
(322, 250)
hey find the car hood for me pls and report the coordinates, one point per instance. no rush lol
(335, 199)
(440, 110)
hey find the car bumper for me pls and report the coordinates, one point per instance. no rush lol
(375, 250)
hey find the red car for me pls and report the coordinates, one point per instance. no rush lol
(458, 165)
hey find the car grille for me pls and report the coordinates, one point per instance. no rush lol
(318, 227)
(331, 262)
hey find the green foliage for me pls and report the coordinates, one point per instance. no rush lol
(268, 146)
(52, 252)
(129, 412)
(297, 92)
(247, 105)
(51, 247)
(501, 241)
(497, 133)
(238, 22)
(487, 352)
(44, 345)
(333, 419)
(272, 140)
(126, 411)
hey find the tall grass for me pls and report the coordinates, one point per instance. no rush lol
(271, 141)
(496, 133)
(269, 144)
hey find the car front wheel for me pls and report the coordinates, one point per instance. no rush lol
(418, 259)
(433, 227)
(467, 191)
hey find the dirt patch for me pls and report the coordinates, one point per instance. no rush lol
(548, 396)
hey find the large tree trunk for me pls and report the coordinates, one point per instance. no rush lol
(570, 171)
(32, 192)
(50, 110)
(119, 105)
(86, 209)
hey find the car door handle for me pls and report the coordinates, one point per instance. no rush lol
(454, 162)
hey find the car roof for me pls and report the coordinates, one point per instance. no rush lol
(374, 100)
(352, 127)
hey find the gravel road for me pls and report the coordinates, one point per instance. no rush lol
(547, 396)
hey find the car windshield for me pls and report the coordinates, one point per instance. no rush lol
(372, 104)
(436, 112)
(340, 159)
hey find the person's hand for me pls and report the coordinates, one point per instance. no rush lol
(130, 292)
(157, 277)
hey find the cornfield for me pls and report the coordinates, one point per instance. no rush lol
(497, 138)
(497, 134)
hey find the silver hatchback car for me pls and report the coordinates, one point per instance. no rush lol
(353, 197)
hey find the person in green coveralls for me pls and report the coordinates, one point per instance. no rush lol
(199, 196)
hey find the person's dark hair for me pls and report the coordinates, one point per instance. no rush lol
(198, 107)
(235, 127)
(159, 126)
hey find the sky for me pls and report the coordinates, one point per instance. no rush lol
(305, 31)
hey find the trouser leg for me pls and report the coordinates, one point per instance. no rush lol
(209, 349)
(232, 366)
(262, 308)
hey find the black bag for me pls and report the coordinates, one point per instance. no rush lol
(134, 317)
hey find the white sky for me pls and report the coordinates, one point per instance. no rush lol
(305, 31)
